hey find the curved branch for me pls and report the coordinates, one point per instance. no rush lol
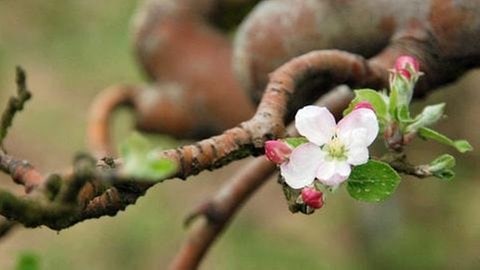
(98, 133)
(219, 210)
(301, 77)
(168, 36)
(336, 67)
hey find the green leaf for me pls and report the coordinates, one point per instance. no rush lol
(429, 116)
(442, 167)
(373, 97)
(402, 90)
(403, 115)
(372, 182)
(442, 162)
(295, 141)
(461, 145)
(28, 261)
(446, 175)
(141, 162)
(393, 102)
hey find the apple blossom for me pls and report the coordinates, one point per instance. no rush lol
(332, 148)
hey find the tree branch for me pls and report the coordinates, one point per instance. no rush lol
(21, 171)
(6, 226)
(100, 116)
(100, 198)
(217, 212)
(335, 67)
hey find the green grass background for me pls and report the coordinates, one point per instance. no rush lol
(73, 49)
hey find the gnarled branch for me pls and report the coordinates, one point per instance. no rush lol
(110, 190)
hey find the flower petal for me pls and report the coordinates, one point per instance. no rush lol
(302, 166)
(360, 121)
(326, 170)
(343, 169)
(357, 155)
(315, 123)
(333, 173)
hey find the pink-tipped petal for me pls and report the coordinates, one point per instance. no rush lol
(302, 166)
(317, 124)
(357, 122)
(365, 105)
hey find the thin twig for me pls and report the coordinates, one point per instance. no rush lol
(419, 171)
(101, 113)
(15, 104)
(6, 226)
(21, 171)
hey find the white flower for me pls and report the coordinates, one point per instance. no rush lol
(332, 148)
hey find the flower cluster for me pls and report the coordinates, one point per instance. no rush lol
(329, 153)
(331, 149)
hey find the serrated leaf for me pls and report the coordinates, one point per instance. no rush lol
(295, 141)
(461, 145)
(376, 99)
(140, 162)
(372, 182)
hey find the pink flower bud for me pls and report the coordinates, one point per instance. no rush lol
(312, 197)
(405, 64)
(277, 151)
(364, 104)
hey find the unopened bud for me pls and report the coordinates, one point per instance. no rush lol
(364, 104)
(277, 151)
(312, 197)
(405, 65)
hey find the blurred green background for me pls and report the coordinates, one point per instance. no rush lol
(73, 49)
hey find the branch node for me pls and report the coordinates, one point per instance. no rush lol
(84, 170)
